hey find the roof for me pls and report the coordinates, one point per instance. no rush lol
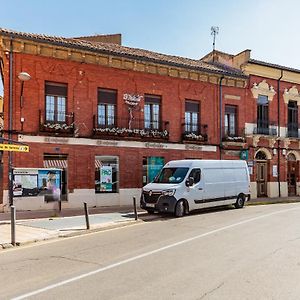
(263, 63)
(122, 51)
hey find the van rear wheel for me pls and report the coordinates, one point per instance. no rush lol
(240, 201)
(179, 209)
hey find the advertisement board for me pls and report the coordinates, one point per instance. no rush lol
(106, 179)
(37, 182)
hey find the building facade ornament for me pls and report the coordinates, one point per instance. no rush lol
(263, 88)
(272, 142)
(286, 143)
(297, 155)
(265, 151)
(255, 140)
(291, 94)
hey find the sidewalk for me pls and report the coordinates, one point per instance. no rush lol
(34, 226)
(43, 225)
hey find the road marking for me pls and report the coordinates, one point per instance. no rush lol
(64, 282)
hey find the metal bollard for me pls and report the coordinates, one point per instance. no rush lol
(135, 210)
(86, 212)
(13, 224)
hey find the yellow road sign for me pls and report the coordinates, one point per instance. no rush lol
(12, 147)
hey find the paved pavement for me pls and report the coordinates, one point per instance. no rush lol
(33, 226)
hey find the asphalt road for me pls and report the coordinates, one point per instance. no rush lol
(251, 253)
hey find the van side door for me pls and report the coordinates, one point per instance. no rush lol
(195, 192)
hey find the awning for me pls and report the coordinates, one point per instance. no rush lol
(56, 163)
(98, 164)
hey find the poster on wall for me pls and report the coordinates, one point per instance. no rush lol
(155, 164)
(106, 179)
(37, 182)
(25, 183)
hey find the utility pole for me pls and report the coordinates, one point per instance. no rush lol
(214, 32)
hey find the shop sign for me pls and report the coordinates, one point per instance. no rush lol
(106, 179)
(275, 171)
(244, 154)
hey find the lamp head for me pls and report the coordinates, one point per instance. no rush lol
(23, 76)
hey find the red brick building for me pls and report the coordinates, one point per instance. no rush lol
(100, 118)
(271, 123)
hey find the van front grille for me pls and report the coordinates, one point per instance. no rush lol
(151, 197)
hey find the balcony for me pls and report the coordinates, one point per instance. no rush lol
(264, 128)
(237, 137)
(194, 133)
(65, 127)
(135, 129)
(292, 130)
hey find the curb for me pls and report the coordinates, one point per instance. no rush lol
(271, 202)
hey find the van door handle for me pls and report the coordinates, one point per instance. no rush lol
(200, 189)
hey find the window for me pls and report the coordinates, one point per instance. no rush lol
(262, 114)
(152, 112)
(151, 167)
(56, 100)
(107, 104)
(292, 119)
(106, 174)
(191, 117)
(230, 120)
(196, 174)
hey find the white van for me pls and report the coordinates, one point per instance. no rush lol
(185, 185)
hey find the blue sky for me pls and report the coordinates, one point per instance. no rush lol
(268, 27)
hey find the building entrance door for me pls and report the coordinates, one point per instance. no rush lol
(261, 174)
(292, 175)
(261, 171)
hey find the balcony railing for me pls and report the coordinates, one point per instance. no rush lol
(135, 128)
(265, 128)
(237, 137)
(194, 132)
(292, 130)
(57, 123)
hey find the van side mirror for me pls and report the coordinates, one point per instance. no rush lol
(189, 181)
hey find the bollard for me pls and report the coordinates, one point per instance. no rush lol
(134, 207)
(13, 224)
(86, 212)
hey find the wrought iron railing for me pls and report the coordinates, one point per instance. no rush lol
(292, 130)
(134, 128)
(194, 132)
(56, 123)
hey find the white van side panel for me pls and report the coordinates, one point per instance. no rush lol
(230, 184)
(213, 183)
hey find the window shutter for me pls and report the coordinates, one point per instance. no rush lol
(107, 96)
(191, 106)
(56, 89)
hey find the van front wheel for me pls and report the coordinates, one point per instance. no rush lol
(179, 209)
(240, 201)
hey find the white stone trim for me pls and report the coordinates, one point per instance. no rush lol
(114, 143)
(263, 88)
(291, 94)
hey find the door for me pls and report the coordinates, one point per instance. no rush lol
(261, 179)
(195, 192)
(292, 178)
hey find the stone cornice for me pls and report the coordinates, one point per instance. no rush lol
(114, 61)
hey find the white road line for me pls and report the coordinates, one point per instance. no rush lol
(64, 282)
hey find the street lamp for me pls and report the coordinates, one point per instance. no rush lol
(23, 76)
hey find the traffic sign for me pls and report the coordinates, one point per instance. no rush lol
(15, 148)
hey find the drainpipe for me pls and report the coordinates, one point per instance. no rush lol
(10, 124)
(221, 114)
(278, 134)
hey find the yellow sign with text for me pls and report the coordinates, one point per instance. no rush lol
(16, 148)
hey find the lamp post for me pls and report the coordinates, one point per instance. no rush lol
(23, 76)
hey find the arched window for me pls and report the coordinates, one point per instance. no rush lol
(291, 157)
(260, 155)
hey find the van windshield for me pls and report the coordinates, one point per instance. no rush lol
(171, 175)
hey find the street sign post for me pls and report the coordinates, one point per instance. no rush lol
(15, 148)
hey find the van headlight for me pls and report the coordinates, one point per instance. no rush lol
(169, 192)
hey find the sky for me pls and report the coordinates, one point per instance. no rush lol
(269, 28)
